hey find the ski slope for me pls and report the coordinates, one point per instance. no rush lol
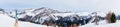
(6, 21)
(103, 24)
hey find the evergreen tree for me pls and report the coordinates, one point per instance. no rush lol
(113, 18)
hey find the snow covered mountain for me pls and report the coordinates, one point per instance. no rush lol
(6, 21)
(33, 12)
(46, 14)
(2, 11)
(41, 15)
(83, 19)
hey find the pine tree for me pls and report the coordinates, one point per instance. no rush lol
(113, 18)
(108, 17)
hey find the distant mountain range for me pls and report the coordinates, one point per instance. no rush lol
(46, 14)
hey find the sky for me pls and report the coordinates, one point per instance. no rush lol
(64, 5)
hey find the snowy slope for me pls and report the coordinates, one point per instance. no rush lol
(6, 21)
(103, 24)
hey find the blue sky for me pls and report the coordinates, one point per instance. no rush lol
(64, 5)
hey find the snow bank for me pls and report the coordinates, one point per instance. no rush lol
(6, 21)
(103, 24)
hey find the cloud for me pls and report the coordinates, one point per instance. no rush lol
(55, 4)
(65, 5)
